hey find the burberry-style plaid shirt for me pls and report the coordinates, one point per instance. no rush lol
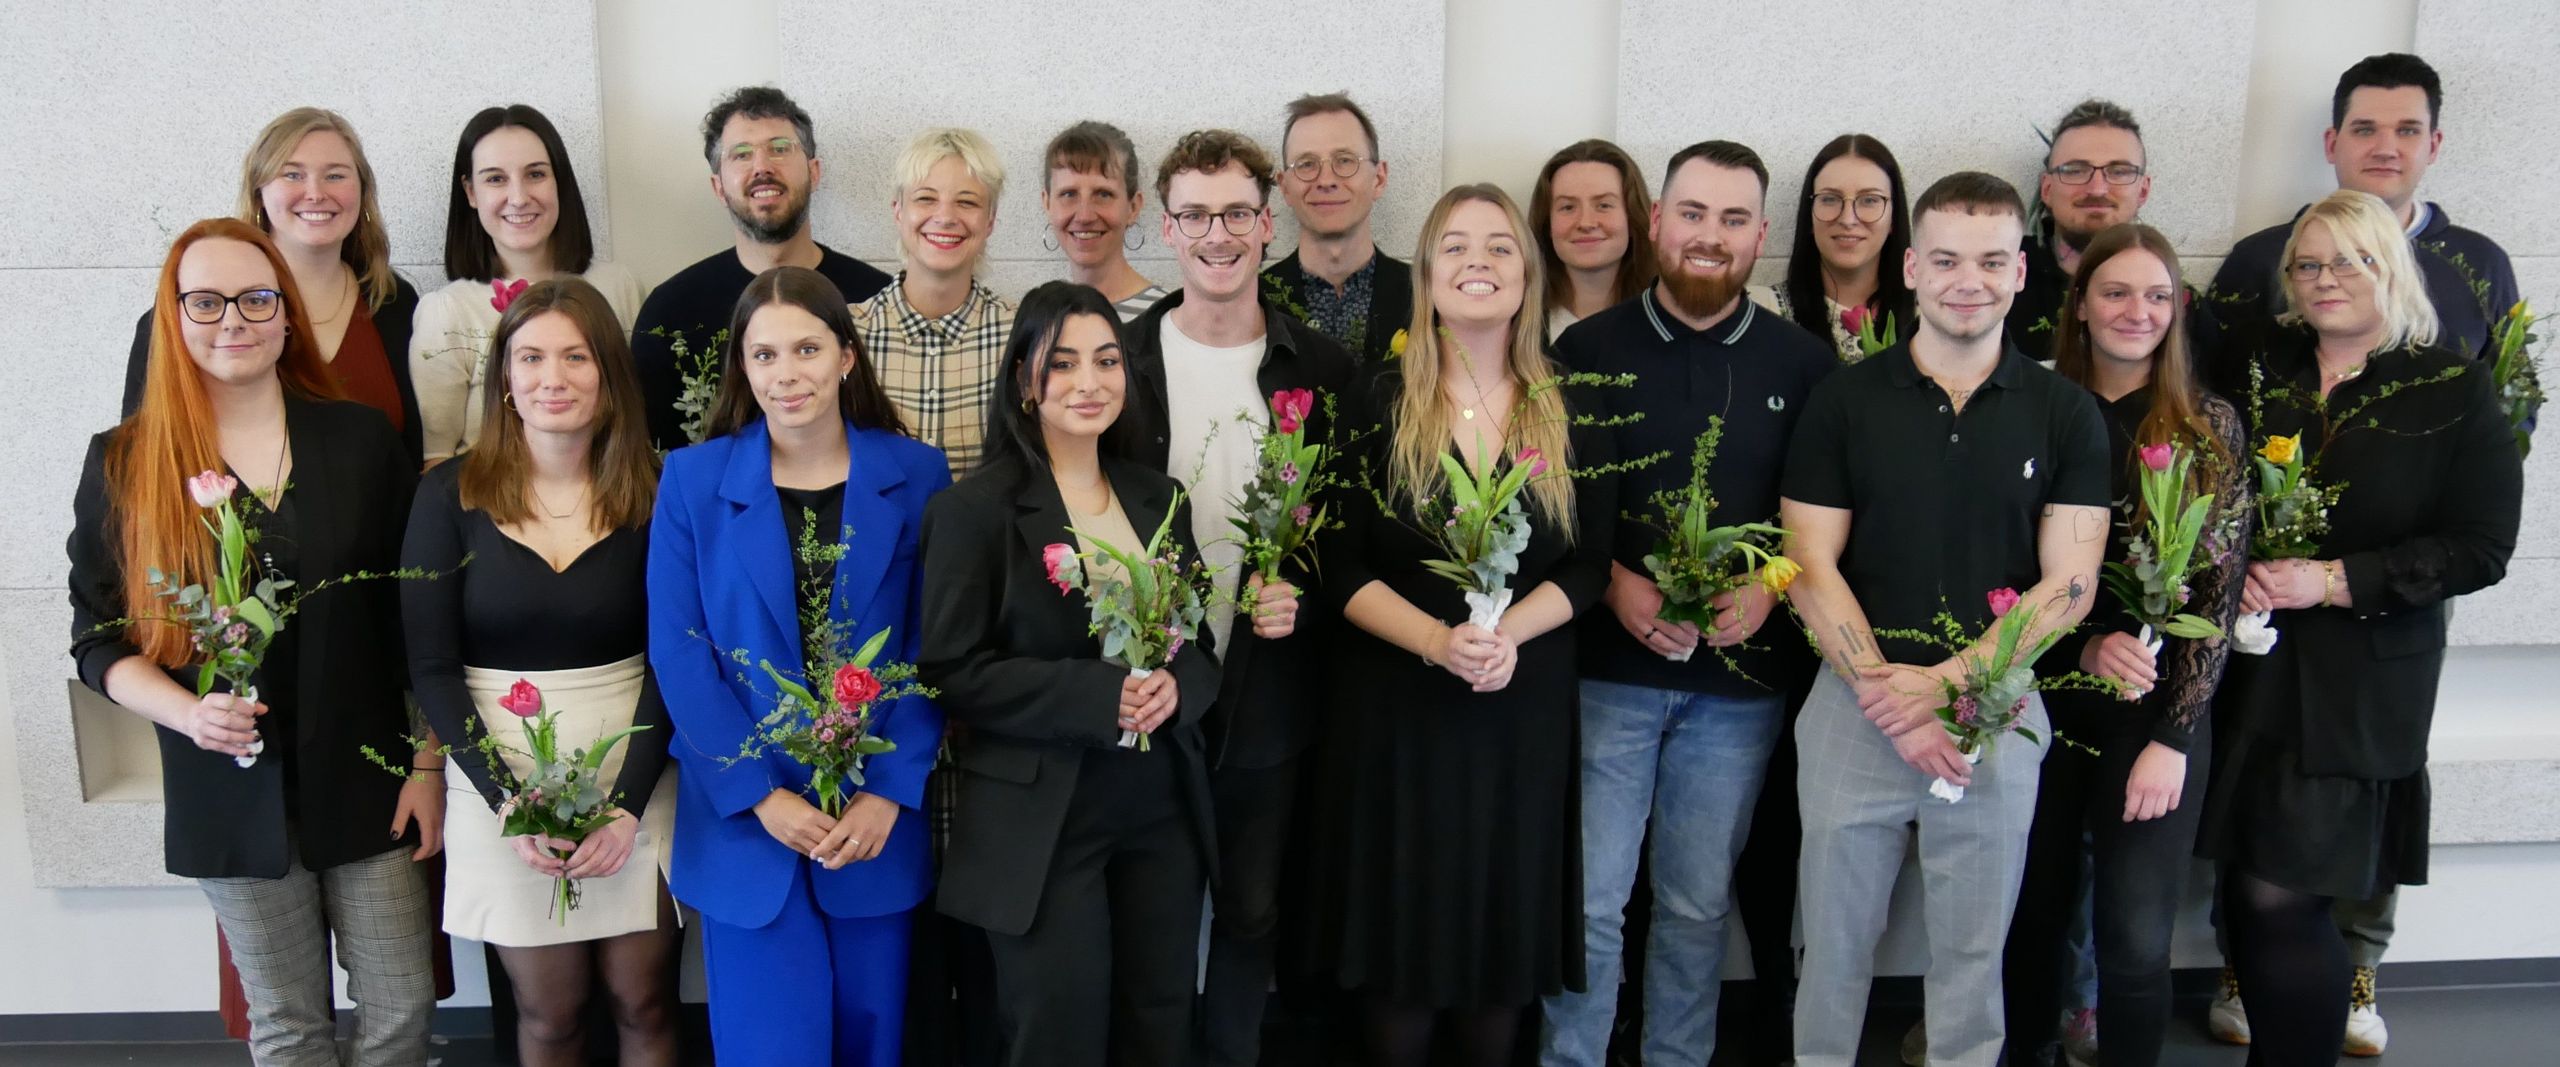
(939, 371)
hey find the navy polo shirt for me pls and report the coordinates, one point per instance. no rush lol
(1755, 369)
(1944, 504)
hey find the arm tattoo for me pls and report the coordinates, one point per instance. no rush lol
(1851, 641)
(2088, 524)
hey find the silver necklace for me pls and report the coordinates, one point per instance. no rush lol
(546, 505)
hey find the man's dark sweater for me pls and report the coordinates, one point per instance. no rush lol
(697, 303)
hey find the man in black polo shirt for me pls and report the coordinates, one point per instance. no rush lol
(1672, 732)
(1338, 280)
(1918, 481)
(1209, 356)
(2382, 137)
(764, 166)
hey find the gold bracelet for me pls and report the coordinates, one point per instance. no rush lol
(2328, 582)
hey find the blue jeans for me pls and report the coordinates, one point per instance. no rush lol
(1693, 764)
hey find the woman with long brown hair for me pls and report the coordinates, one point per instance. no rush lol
(1447, 894)
(2123, 337)
(1591, 210)
(552, 511)
(309, 836)
(307, 185)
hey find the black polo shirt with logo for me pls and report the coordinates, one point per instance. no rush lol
(1944, 505)
(1755, 369)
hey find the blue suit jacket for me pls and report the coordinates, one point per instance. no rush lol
(721, 579)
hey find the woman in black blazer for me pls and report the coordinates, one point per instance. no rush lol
(310, 831)
(1085, 861)
(306, 182)
(2319, 787)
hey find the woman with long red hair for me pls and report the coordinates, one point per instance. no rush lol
(309, 831)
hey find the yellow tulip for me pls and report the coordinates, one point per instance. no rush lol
(2281, 450)
(1395, 345)
(1779, 573)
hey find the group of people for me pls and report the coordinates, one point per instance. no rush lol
(1425, 831)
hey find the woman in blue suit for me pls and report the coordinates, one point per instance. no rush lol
(805, 917)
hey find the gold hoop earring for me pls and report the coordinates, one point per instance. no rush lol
(1029, 405)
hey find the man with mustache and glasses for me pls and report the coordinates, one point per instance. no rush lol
(1210, 356)
(1679, 720)
(764, 165)
(1918, 482)
(2382, 137)
(1338, 280)
(2095, 176)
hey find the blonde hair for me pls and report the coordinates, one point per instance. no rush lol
(367, 249)
(2361, 224)
(951, 142)
(1422, 415)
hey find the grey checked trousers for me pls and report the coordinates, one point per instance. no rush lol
(377, 907)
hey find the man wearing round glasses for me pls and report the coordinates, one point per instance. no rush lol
(1338, 280)
(2094, 177)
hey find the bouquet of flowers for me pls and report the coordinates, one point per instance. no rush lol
(1145, 605)
(1992, 699)
(2518, 374)
(830, 730)
(2293, 514)
(1277, 514)
(698, 375)
(233, 622)
(1483, 529)
(1861, 321)
(2152, 580)
(564, 798)
(1696, 561)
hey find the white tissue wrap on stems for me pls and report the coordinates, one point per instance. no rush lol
(1129, 738)
(1484, 610)
(1949, 791)
(257, 741)
(2151, 640)
(2255, 634)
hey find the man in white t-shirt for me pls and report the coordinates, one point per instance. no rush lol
(1207, 360)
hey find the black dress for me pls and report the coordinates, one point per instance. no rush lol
(2319, 780)
(1450, 867)
(508, 610)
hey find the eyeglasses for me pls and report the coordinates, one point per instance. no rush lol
(1239, 221)
(1305, 170)
(207, 307)
(1868, 206)
(2341, 268)
(778, 148)
(2078, 173)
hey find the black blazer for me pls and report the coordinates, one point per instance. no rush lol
(1390, 300)
(1265, 711)
(391, 321)
(1019, 673)
(2432, 500)
(352, 486)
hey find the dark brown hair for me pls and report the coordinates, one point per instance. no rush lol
(1892, 299)
(624, 469)
(859, 398)
(1208, 151)
(1969, 192)
(468, 251)
(2177, 402)
(1635, 271)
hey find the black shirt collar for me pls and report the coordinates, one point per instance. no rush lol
(1902, 371)
(1726, 331)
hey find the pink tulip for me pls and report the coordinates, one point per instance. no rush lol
(1060, 561)
(522, 700)
(1530, 458)
(210, 490)
(2157, 457)
(1291, 408)
(502, 294)
(1854, 318)
(2002, 599)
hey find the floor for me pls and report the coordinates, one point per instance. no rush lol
(2429, 1028)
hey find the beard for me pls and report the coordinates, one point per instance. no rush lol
(1699, 295)
(785, 224)
(2067, 225)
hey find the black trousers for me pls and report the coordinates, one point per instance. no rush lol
(1104, 974)
(2138, 871)
(1255, 816)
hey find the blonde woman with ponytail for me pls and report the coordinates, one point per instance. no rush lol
(1448, 884)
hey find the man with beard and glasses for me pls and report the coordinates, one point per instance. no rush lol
(1674, 735)
(2096, 175)
(764, 166)
(1918, 482)
(1338, 280)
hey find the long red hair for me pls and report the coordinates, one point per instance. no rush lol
(170, 437)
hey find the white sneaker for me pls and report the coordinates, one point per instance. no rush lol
(2365, 1033)
(2227, 1020)
(1915, 1045)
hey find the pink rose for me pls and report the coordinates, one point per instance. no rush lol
(210, 489)
(1291, 407)
(1060, 561)
(2002, 599)
(1530, 458)
(1854, 319)
(522, 699)
(2157, 457)
(855, 686)
(502, 294)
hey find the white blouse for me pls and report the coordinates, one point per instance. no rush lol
(449, 352)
